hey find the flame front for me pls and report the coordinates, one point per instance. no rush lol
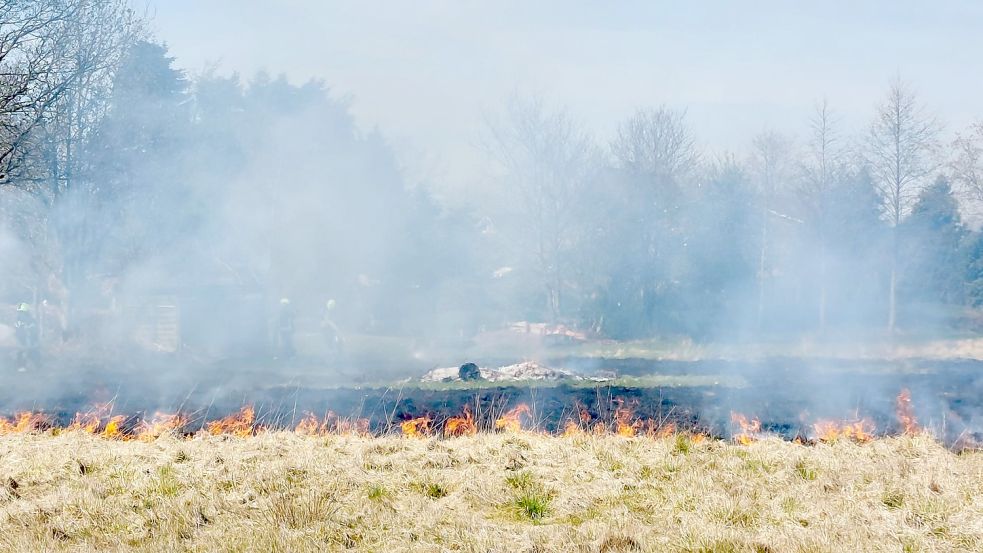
(576, 428)
(656, 429)
(160, 424)
(749, 429)
(238, 424)
(625, 422)
(416, 428)
(905, 413)
(91, 420)
(510, 421)
(310, 425)
(622, 421)
(461, 426)
(23, 422)
(113, 428)
(572, 429)
(830, 431)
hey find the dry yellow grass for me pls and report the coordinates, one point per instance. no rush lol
(491, 492)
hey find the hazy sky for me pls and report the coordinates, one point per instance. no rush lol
(429, 72)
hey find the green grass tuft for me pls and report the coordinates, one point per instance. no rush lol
(533, 505)
(434, 490)
(377, 492)
(805, 471)
(520, 480)
(893, 499)
(682, 444)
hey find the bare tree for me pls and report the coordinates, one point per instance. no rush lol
(656, 142)
(57, 61)
(900, 153)
(93, 48)
(31, 78)
(48, 51)
(967, 163)
(824, 158)
(770, 161)
(547, 160)
(655, 155)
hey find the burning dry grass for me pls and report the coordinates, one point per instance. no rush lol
(510, 491)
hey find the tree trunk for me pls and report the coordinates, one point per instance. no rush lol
(553, 289)
(892, 301)
(822, 292)
(892, 309)
(761, 268)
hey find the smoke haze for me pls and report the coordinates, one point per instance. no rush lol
(230, 196)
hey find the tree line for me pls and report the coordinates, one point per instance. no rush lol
(123, 178)
(648, 234)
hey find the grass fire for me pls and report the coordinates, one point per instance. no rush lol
(539, 277)
(574, 467)
(548, 466)
(620, 420)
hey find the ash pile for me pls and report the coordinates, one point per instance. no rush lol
(527, 370)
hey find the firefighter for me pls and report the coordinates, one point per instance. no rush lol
(28, 343)
(285, 330)
(329, 330)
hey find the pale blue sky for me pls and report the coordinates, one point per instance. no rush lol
(427, 72)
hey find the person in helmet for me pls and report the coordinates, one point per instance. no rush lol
(26, 331)
(329, 330)
(285, 330)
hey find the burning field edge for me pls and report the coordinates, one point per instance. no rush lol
(510, 490)
(615, 415)
(617, 473)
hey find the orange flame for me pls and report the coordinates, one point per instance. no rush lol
(577, 427)
(309, 425)
(416, 428)
(160, 424)
(461, 426)
(656, 429)
(572, 429)
(510, 422)
(624, 419)
(749, 428)
(830, 431)
(90, 421)
(239, 424)
(113, 430)
(25, 421)
(905, 413)
(625, 426)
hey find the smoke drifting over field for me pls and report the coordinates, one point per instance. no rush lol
(180, 234)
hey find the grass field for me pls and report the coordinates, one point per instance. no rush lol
(490, 492)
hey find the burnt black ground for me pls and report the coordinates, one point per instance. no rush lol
(787, 394)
